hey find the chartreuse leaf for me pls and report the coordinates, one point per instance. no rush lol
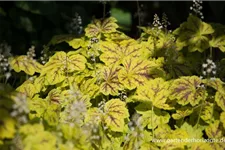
(62, 63)
(220, 98)
(26, 64)
(213, 131)
(34, 137)
(115, 52)
(77, 43)
(200, 146)
(7, 125)
(186, 90)
(162, 132)
(191, 131)
(207, 112)
(31, 129)
(175, 134)
(28, 89)
(39, 141)
(155, 91)
(135, 72)
(115, 113)
(138, 139)
(217, 84)
(218, 42)
(194, 34)
(89, 87)
(152, 120)
(98, 27)
(37, 107)
(182, 112)
(222, 119)
(94, 115)
(110, 83)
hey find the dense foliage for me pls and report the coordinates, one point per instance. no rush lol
(110, 91)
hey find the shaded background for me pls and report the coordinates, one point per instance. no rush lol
(23, 24)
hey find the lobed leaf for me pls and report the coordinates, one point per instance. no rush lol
(62, 63)
(116, 52)
(187, 90)
(7, 125)
(26, 64)
(111, 83)
(98, 27)
(135, 72)
(116, 112)
(155, 91)
(193, 34)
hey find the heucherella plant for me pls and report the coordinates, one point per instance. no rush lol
(113, 92)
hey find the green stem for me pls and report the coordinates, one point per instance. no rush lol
(152, 122)
(211, 53)
(203, 101)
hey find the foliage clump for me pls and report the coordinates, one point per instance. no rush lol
(110, 91)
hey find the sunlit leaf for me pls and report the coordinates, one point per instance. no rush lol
(155, 91)
(182, 112)
(115, 52)
(187, 90)
(26, 64)
(111, 83)
(220, 99)
(213, 130)
(116, 112)
(62, 63)
(89, 87)
(152, 120)
(77, 43)
(98, 27)
(7, 125)
(41, 140)
(222, 119)
(207, 112)
(135, 72)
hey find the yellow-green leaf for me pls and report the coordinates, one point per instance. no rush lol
(115, 113)
(28, 89)
(77, 43)
(135, 72)
(193, 34)
(62, 63)
(207, 112)
(222, 119)
(101, 26)
(187, 90)
(152, 120)
(218, 42)
(213, 130)
(155, 91)
(7, 125)
(26, 64)
(115, 52)
(111, 83)
(182, 112)
(89, 87)
(220, 99)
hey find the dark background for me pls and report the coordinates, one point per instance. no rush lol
(23, 24)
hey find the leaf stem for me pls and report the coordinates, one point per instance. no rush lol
(203, 101)
(152, 122)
